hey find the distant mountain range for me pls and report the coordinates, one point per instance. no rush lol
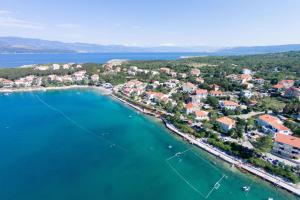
(28, 45)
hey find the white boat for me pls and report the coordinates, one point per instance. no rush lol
(246, 188)
(270, 198)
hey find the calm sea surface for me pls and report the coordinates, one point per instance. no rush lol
(16, 60)
(81, 145)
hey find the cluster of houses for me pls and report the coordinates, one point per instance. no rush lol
(26, 81)
(287, 89)
(56, 66)
(37, 81)
(284, 143)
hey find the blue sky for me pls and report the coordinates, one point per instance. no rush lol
(154, 22)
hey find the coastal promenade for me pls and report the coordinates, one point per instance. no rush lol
(235, 161)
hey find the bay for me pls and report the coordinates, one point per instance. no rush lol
(80, 144)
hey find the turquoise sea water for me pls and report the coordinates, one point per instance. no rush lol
(81, 145)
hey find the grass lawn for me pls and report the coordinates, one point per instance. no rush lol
(271, 104)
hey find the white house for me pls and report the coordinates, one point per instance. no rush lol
(191, 108)
(189, 87)
(230, 105)
(201, 115)
(201, 93)
(246, 71)
(95, 77)
(195, 72)
(246, 93)
(272, 125)
(214, 93)
(55, 67)
(226, 123)
(287, 146)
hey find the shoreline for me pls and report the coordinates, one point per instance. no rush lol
(238, 163)
(34, 89)
(277, 181)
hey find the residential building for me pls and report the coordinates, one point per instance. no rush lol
(226, 123)
(246, 71)
(258, 80)
(133, 87)
(173, 74)
(244, 78)
(246, 93)
(214, 93)
(230, 105)
(79, 75)
(287, 146)
(41, 68)
(55, 67)
(165, 70)
(201, 93)
(195, 72)
(66, 66)
(95, 77)
(191, 108)
(272, 125)
(287, 83)
(156, 97)
(133, 68)
(214, 87)
(7, 83)
(199, 80)
(182, 75)
(201, 115)
(154, 73)
(292, 92)
(189, 87)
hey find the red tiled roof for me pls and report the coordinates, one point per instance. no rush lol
(273, 121)
(201, 113)
(190, 85)
(230, 103)
(278, 86)
(201, 91)
(245, 76)
(226, 120)
(189, 105)
(288, 139)
(213, 92)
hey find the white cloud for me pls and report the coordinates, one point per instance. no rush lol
(8, 20)
(70, 26)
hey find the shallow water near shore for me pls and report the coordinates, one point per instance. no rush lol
(80, 144)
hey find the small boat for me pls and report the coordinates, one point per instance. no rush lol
(246, 188)
(270, 198)
(170, 147)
